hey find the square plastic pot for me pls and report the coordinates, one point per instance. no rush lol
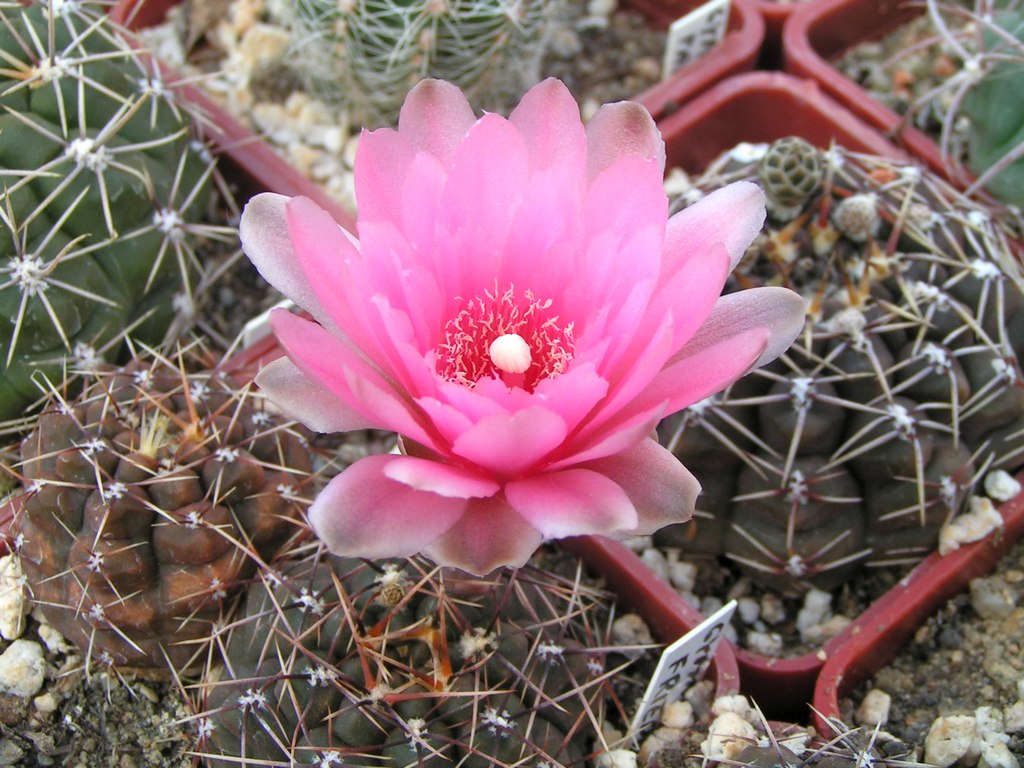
(737, 52)
(820, 32)
(877, 635)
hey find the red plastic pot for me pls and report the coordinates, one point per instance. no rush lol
(875, 638)
(737, 52)
(820, 32)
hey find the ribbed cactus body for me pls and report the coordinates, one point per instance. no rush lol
(148, 500)
(871, 431)
(369, 53)
(101, 184)
(337, 661)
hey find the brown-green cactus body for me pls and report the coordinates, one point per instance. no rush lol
(148, 500)
(357, 662)
(103, 188)
(871, 431)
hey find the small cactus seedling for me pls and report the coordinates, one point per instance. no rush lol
(863, 440)
(147, 501)
(100, 201)
(337, 661)
(369, 53)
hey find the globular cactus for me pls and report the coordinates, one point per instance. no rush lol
(336, 661)
(103, 188)
(905, 386)
(369, 53)
(148, 501)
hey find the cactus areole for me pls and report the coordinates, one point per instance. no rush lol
(518, 307)
(102, 185)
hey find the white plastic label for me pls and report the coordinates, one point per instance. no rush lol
(680, 666)
(695, 34)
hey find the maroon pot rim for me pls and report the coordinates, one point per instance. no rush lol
(819, 31)
(878, 634)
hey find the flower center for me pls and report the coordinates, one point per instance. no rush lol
(504, 335)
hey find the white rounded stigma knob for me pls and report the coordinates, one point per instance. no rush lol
(510, 353)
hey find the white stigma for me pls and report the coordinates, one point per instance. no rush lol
(510, 353)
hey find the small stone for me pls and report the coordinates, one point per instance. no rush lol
(565, 43)
(1001, 485)
(656, 561)
(657, 741)
(773, 610)
(13, 605)
(735, 703)
(54, 640)
(631, 629)
(22, 668)
(950, 739)
(976, 524)
(817, 609)
(683, 576)
(728, 735)
(46, 704)
(10, 753)
(678, 714)
(617, 758)
(1013, 717)
(991, 598)
(647, 67)
(819, 634)
(748, 609)
(874, 709)
(601, 7)
(765, 643)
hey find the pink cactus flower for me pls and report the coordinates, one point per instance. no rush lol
(521, 310)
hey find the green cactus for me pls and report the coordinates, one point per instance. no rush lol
(369, 53)
(335, 661)
(101, 191)
(995, 106)
(870, 433)
(148, 501)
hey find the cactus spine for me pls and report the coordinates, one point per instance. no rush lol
(102, 191)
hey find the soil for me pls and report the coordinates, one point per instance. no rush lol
(959, 660)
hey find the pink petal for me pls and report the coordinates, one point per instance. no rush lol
(344, 371)
(485, 188)
(442, 479)
(572, 502)
(489, 535)
(782, 311)
(731, 216)
(660, 487)
(548, 119)
(691, 293)
(364, 513)
(263, 230)
(620, 130)
(307, 400)
(615, 435)
(507, 445)
(382, 161)
(435, 118)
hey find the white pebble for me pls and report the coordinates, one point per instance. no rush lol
(639, 544)
(820, 634)
(617, 758)
(728, 735)
(656, 561)
(1001, 485)
(657, 741)
(951, 739)
(992, 598)
(630, 629)
(683, 576)
(602, 7)
(22, 669)
(979, 522)
(54, 640)
(678, 714)
(677, 183)
(710, 603)
(13, 605)
(773, 610)
(735, 703)
(765, 643)
(565, 43)
(817, 609)
(1013, 717)
(748, 609)
(46, 704)
(874, 709)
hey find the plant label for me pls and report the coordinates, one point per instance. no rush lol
(680, 666)
(695, 34)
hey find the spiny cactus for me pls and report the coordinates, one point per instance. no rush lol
(337, 661)
(906, 385)
(101, 191)
(148, 500)
(369, 53)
